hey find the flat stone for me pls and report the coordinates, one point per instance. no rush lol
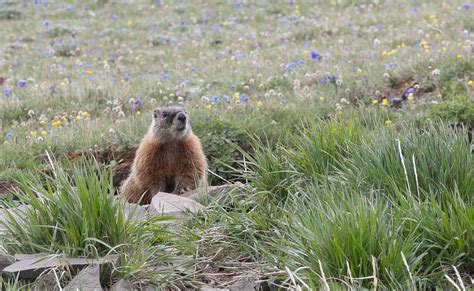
(167, 204)
(87, 279)
(122, 285)
(32, 267)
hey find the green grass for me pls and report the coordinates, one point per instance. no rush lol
(345, 190)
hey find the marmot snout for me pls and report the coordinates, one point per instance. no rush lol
(169, 159)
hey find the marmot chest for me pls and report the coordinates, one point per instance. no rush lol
(171, 159)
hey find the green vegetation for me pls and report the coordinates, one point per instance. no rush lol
(351, 123)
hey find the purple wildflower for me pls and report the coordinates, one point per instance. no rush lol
(46, 23)
(226, 98)
(139, 101)
(7, 93)
(467, 6)
(133, 106)
(21, 83)
(315, 55)
(126, 78)
(244, 98)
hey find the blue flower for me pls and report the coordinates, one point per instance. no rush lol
(8, 135)
(467, 6)
(315, 55)
(46, 23)
(215, 99)
(328, 79)
(226, 98)
(244, 98)
(165, 76)
(113, 17)
(139, 101)
(126, 78)
(21, 83)
(7, 93)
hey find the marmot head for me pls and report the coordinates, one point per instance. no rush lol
(170, 122)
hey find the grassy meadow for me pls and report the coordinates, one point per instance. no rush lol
(351, 122)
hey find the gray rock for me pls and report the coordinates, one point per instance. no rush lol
(243, 285)
(167, 204)
(32, 267)
(87, 279)
(5, 261)
(135, 211)
(46, 281)
(122, 285)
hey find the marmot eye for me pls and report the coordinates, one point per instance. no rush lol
(164, 114)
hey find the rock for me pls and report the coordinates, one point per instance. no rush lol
(5, 261)
(122, 285)
(46, 281)
(243, 285)
(87, 279)
(32, 267)
(135, 211)
(167, 204)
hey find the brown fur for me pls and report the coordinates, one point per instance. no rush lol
(165, 163)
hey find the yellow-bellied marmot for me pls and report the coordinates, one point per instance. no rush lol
(169, 159)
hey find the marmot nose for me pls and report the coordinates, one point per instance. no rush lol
(181, 117)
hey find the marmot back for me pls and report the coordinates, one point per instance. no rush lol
(169, 159)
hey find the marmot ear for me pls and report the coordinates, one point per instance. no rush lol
(156, 112)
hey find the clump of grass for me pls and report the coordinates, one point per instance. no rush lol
(9, 14)
(459, 111)
(70, 213)
(404, 162)
(60, 31)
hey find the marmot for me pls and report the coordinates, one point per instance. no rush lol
(169, 158)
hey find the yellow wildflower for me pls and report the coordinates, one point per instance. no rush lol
(44, 133)
(321, 98)
(384, 101)
(305, 53)
(375, 102)
(56, 123)
(237, 96)
(139, 113)
(470, 82)
(33, 133)
(388, 122)
(209, 106)
(259, 103)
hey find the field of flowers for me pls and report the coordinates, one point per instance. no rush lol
(351, 122)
